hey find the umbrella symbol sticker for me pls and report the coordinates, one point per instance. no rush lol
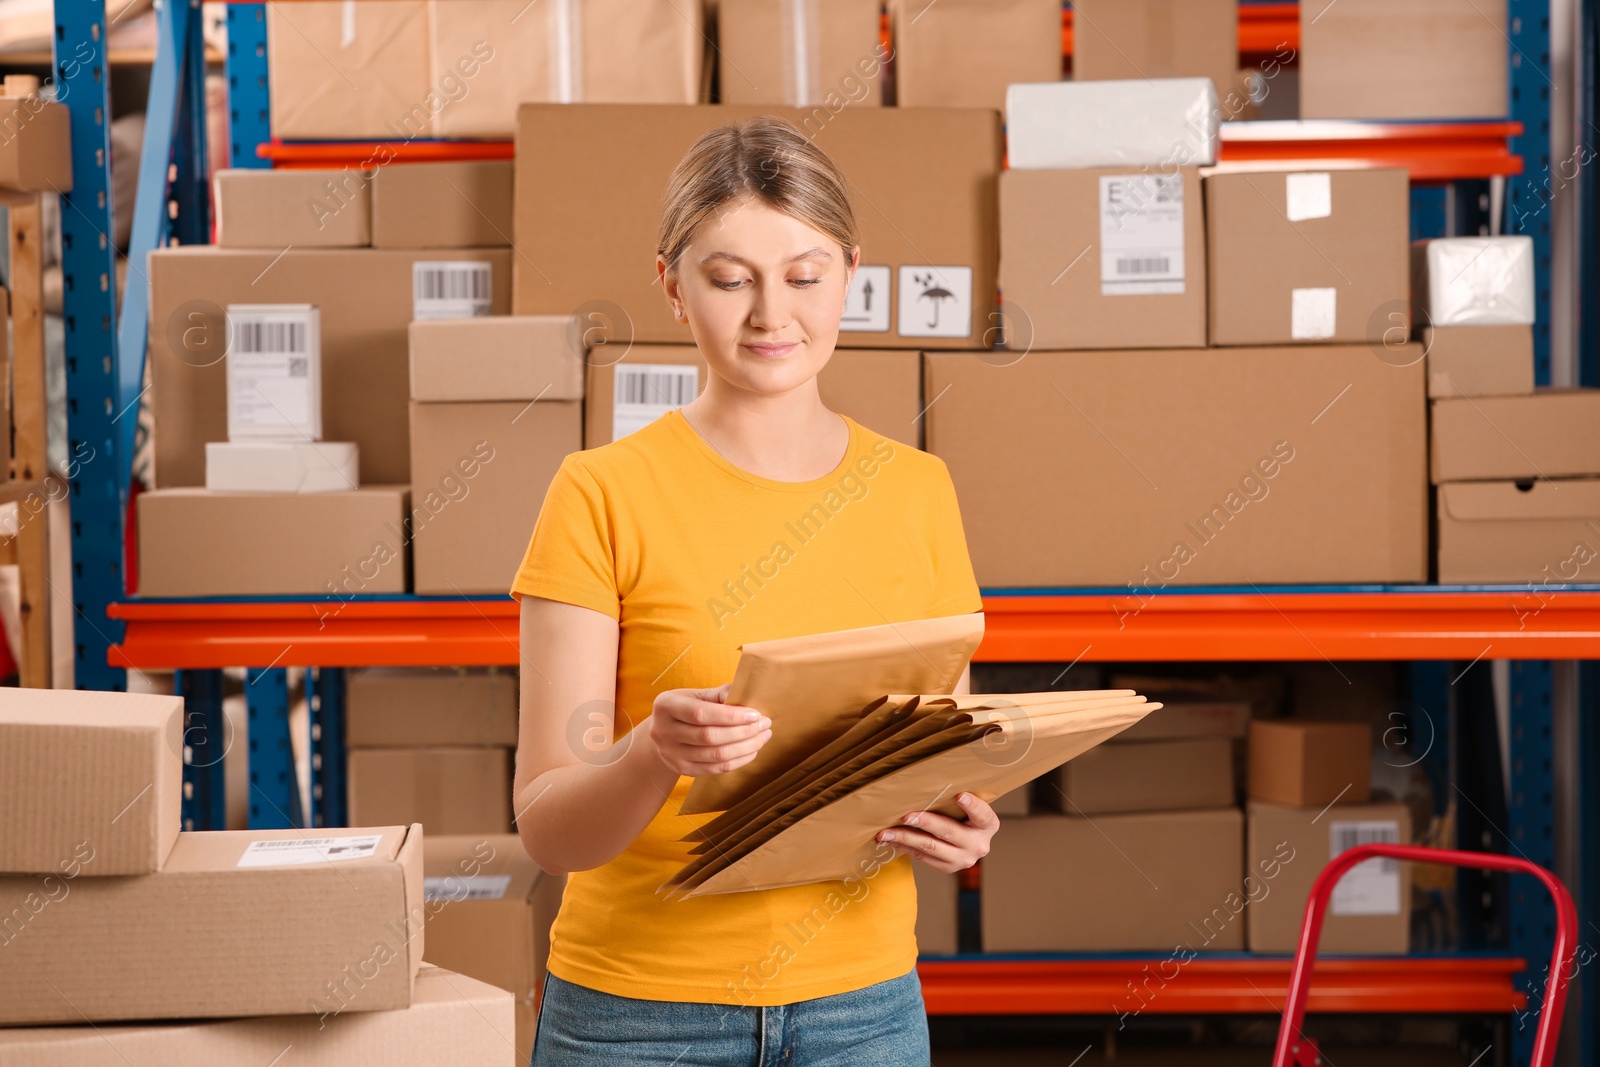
(933, 292)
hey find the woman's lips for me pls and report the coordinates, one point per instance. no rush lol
(773, 349)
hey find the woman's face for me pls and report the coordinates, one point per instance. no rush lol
(762, 293)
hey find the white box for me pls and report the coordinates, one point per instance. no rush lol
(1164, 122)
(274, 372)
(1473, 281)
(282, 466)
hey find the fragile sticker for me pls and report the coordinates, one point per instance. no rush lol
(295, 851)
(643, 392)
(935, 302)
(1308, 196)
(1371, 887)
(866, 307)
(1141, 234)
(451, 289)
(466, 887)
(1312, 313)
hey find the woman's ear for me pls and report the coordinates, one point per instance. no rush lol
(670, 288)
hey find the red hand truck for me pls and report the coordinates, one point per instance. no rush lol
(1294, 1049)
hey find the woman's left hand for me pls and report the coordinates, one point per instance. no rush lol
(943, 843)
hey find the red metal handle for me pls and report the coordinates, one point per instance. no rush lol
(1295, 1048)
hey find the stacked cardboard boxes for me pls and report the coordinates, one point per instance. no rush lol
(964, 53)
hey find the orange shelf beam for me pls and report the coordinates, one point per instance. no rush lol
(1431, 151)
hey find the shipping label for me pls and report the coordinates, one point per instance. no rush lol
(272, 371)
(451, 289)
(466, 887)
(1372, 887)
(1141, 234)
(294, 851)
(646, 391)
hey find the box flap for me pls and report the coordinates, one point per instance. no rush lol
(223, 850)
(1575, 499)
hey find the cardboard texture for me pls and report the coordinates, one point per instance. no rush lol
(452, 1019)
(36, 153)
(304, 208)
(1403, 59)
(1149, 776)
(414, 707)
(964, 53)
(232, 925)
(650, 392)
(447, 790)
(1479, 360)
(1544, 533)
(922, 184)
(1202, 466)
(495, 357)
(481, 470)
(1181, 719)
(1555, 433)
(91, 784)
(262, 466)
(1310, 764)
(1160, 122)
(1079, 250)
(1166, 882)
(193, 542)
(1286, 848)
(1474, 281)
(365, 299)
(799, 55)
(879, 388)
(459, 204)
(1308, 256)
(937, 895)
(381, 84)
(1126, 39)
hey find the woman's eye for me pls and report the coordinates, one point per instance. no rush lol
(727, 285)
(807, 281)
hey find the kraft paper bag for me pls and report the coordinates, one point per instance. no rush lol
(815, 687)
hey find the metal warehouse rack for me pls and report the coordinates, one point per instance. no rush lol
(113, 633)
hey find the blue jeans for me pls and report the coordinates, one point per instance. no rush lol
(881, 1025)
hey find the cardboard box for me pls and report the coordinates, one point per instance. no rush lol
(1128, 39)
(1403, 59)
(1015, 803)
(381, 84)
(1474, 281)
(91, 783)
(366, 302)
(1161, 883)
(1479, 360)
(1181, 719)
(599, 51)
(881, 389)
(496, 357)
(282, 466)
(194, 542)
(963, 53)
(447, 790)
(1308, 256)
(460, 204)
(1202, 465)
(297, 208)
(411, 707)
(1286, 848)
(923, 181)
(1544, 533)
(1148, 776)
(1310, 764)
(452, 1019)
(1555, 433)
(247, 922)
(35, 145)
(1103, 258)
(937, 896)
(479, 475)
(799, 55)
(1163, 122)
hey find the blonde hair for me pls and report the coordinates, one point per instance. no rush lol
(764, 157)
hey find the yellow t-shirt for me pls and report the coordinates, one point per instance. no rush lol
(695, 556)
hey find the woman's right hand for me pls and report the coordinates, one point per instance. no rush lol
(698, 733)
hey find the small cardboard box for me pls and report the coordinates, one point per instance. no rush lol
(415, 707)
(247, 922)
(194, 542)
(1554, 433)
(36, 150)
(1543, 533)
(1310, 764)
(380, 84)
(963, 53)
(297, 208)
(452, 1019)
(495, 357)
(1179, 718)
(91, 783)
(447, 790)
(262, 466)
(772, 52)
(1162, 882)
(1479, 360)
(1308, 256)
(1286, 848)
(1148, 776)
(459, 204)
(937, 896)
(1108, 258)
(1127, 39)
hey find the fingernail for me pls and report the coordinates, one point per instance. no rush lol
(751, 716)
(766, 723)
(911, 820)
(886, 836)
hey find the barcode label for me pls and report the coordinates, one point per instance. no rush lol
(295, 851)
(1141, 234)
(255, 334)
(451, 290)
(466, 887)
(274, 389)
(1372, 887)
(1154, 265)
(646, 391)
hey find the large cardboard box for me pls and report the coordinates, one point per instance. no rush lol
(937, 896)
(246, 922)
(1310, 764)
(1148, 776)
(195, 542)
(90, 783)
(459, 204)
(1286, 848)
(922, 183)
(1110, 258)
(452, 1019)
(1479, 360)
(36, 146)
(1184, 467)
(411, 707)
(963, 53)
(380, 84)
(800, 55)
(496, 357)
(1542, 533)
(479, 474)
(1555, 433)
(366, 300)
(1166, 882)
(292, 208)
(1403, 59)
(1308, 256)
(879, 388)
(1127, 39)
(447, 790)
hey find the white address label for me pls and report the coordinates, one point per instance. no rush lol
(646, 391)
(294, 851)
(451, 289)
(1373, 887)
(466, 887)
(1141, 234)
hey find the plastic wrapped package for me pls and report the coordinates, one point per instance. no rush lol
(1473, 281)
(1170, 122)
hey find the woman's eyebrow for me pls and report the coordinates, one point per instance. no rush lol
(810, 253)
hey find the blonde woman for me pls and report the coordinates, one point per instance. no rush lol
(751, 512)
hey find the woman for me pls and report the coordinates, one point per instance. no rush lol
(750, 513)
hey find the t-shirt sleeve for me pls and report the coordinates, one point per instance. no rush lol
(571, 556)
(955, 588)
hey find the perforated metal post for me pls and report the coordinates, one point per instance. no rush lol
(274, 786)
(206, 741)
